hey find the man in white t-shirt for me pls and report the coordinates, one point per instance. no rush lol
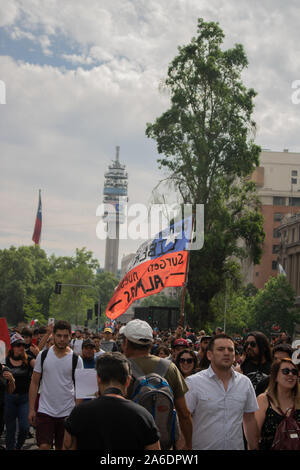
(76, 343)
(57, 394)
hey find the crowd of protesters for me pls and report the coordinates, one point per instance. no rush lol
(230, 392)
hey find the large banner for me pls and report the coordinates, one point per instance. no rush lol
(4, 340)
(158, 263)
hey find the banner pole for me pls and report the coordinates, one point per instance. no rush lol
(181, 317)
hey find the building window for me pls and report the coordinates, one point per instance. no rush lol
(294, 173)
(274, 265)
(294, 180)
(279, 201)
(278, 216)
(256, 274)
(276, 234)
(294, 201)
(275, 249)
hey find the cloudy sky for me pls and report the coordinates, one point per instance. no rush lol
(83, 77)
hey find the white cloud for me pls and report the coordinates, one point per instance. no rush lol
(9, 13)
(60, 127)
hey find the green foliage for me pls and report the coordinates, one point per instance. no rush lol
(24, 273)
(105, 284)
(275, 304)
(33, 311)
(257, 309)
(160, 300)
(206, 142)
(75, 273)
(232, 309)
(28, 277)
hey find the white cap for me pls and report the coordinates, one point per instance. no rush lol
(121, 330)
(296, 357)
(139, 332)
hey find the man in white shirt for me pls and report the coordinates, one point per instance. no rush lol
(97, 342)
(221, 400)
(76, 343)
(57, 394)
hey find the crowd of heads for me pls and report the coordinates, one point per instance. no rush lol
(186, 347)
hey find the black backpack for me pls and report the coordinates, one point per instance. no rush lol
(74, 364)
(153, 392)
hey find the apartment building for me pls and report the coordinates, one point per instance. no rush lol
(278, 186)
(289, 250)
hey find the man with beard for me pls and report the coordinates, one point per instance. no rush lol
(57, 395)
(258, 358)
(221, 400)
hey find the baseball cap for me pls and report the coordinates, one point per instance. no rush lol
(121, 330)
(88, 342)
(180, 342)
(139, 332)
(16, 339)
(296, 357)
(204, 337)
(107, 330)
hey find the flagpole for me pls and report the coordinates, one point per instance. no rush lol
(36, 237)
(181, 317)
(40, 199)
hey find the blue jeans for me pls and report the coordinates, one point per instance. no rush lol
(16, 408)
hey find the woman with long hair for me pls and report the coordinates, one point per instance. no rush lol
(281, 397)
(17, 403)
(187, 362)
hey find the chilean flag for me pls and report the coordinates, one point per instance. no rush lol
(38, 223)
(158, 263)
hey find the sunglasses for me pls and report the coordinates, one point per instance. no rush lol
(188, 361)
(250, 343)
(287, 371)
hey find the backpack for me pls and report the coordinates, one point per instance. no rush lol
(74, 364)
(153, 392)
(287, 436)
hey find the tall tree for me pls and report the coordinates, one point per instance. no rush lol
(275, 304)
(77, 273)
(25, 273)
(206, 139)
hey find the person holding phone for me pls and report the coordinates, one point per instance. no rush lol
(31, 349)
(7, 385)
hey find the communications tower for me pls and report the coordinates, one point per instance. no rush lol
(115, 198)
